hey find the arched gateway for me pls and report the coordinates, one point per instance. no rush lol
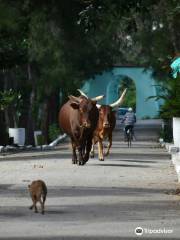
(108, 83)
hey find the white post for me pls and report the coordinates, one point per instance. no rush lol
(176, 131)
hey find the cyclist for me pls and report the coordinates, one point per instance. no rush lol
(129, 121)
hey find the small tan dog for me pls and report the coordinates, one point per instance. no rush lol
(37, 190)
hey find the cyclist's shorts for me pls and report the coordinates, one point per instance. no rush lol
(127, 127)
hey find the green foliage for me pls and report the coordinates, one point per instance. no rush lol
(171, 107)
(10, 98)
(12, 101)
(170, 94)
(167, 133)
(65, 42)
(54, 131)
(40, 140)
(13, 35)
(130, 99)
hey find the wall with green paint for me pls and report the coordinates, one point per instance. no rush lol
(108, 83)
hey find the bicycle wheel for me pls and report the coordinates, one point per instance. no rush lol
(129, 137)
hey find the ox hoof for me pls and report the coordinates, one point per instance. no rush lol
(101, 159)
(92, 155)
(80, 163)
(86, 158)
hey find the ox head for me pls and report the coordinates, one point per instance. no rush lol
(106, 111)
(86, 108)
(105, 115)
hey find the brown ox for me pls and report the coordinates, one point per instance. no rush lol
(105, 127)
(78, 118)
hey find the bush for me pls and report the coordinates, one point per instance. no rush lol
(54, 131)
(167, 131)
(171, 107)
(40, 140)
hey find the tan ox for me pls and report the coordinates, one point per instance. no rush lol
(105, 126)
(104, 129)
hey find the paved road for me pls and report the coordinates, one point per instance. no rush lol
(145, 130)
(101, 200)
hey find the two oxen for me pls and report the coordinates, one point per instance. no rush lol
(85, 122)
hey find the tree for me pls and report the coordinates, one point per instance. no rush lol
(49, 48)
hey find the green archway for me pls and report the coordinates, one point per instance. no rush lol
(108, 82)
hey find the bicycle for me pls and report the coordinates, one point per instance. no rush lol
(129, 136)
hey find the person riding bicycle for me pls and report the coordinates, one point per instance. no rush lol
(129, 121)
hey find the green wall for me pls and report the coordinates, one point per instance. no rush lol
(108, 83)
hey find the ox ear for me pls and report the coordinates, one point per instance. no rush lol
(74, 99)
(74, 102)
(74, 105)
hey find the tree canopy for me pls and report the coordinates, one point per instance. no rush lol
(48, 48)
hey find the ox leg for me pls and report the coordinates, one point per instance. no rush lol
(83, 149)
(92, 149)
(80, 159)
(109, 145)
(100, 150)
(74, 156)
(88, 149)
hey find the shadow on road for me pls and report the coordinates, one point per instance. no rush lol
(138, 161)
(120, 165)
(14, 191)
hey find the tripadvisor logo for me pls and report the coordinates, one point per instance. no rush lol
(139, 231)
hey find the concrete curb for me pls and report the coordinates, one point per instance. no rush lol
(175, 157)
(176, 161)
(10, 151)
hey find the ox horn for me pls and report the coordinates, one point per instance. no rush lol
(74, 99)
(120, 100)
(98, 106)
(98, 98)
(82, 93)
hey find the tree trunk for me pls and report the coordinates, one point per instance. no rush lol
(54, 107)
(45, 120)
(30, 120)
(6, 111)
